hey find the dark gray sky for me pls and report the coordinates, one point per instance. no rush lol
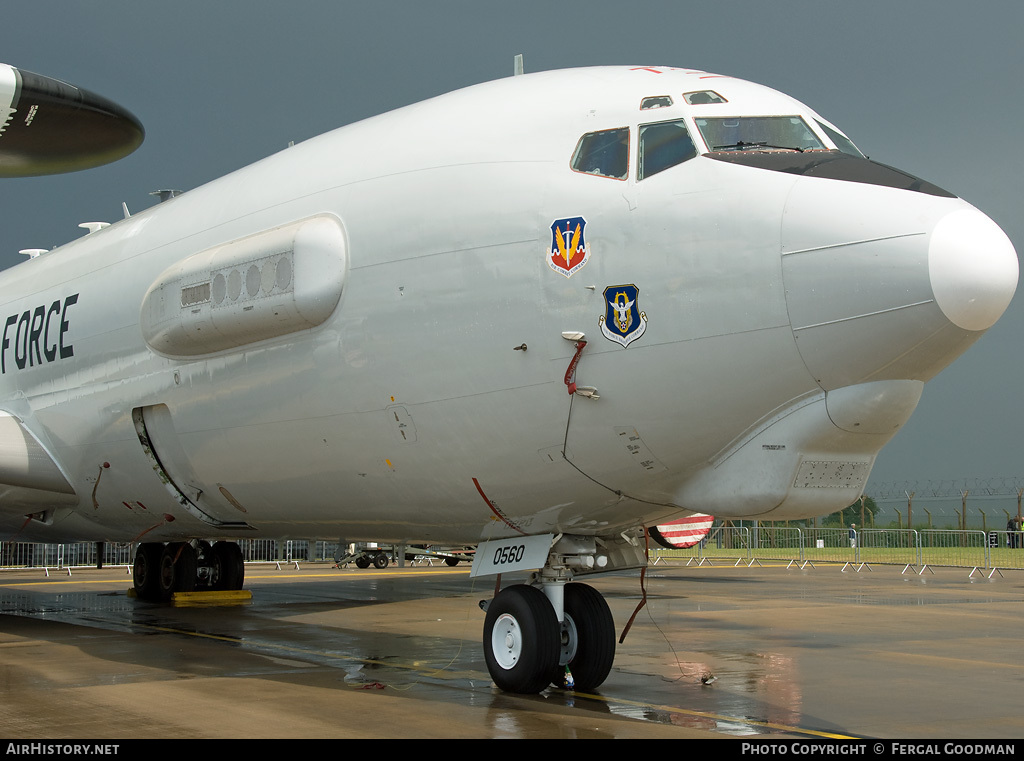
(930, 86)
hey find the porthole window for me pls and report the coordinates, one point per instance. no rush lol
(703, 97)
(656, 101)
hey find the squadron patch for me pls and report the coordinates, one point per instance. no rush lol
(622, 322)
(569, 250)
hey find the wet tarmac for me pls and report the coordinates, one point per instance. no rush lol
(321, 652)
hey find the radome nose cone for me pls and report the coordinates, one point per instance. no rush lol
(973, 269)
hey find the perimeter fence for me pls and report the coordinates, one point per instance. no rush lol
(931, 547)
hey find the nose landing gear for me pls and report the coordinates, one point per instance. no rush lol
(526, 647)
(553, 630)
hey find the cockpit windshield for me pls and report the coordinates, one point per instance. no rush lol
(758, 133)
(842, 142)
(663, 145)
(604, 153)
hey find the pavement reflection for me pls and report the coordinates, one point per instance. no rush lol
(321, 652)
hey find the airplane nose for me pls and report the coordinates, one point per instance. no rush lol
(972, 267)
(887, 283)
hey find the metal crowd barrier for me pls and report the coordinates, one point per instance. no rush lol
(725, 543)
(734, 544)
(72, 555)
(931, 547)
(84, 554)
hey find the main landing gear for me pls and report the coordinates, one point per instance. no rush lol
(549, 631)
(160, 569)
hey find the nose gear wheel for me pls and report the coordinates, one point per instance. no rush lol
(521, 640)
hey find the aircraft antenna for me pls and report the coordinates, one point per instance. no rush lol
(124, 208)
(517, 65)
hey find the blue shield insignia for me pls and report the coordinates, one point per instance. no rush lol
(569, 250)
(623, 322)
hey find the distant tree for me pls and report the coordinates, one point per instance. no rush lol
(851, 514)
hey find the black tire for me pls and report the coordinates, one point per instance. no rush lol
(145, 571)
(166, 575)
(591, 636)
(521, 640)
(451, 562)
(227, 559)
(362, 562)
(381, 561)
(185, 566)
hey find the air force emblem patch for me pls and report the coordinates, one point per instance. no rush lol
(623, 322)
(569, 250)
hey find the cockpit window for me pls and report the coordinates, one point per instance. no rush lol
(754, 133)
(842, 142)
(702, 97)
(605, 153)
(663, 145)
(656, 101)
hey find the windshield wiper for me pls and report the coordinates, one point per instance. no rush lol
(742, 146)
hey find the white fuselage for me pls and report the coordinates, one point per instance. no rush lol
(788, 324)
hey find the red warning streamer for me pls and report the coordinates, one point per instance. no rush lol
(496, 510)
(570, 374)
